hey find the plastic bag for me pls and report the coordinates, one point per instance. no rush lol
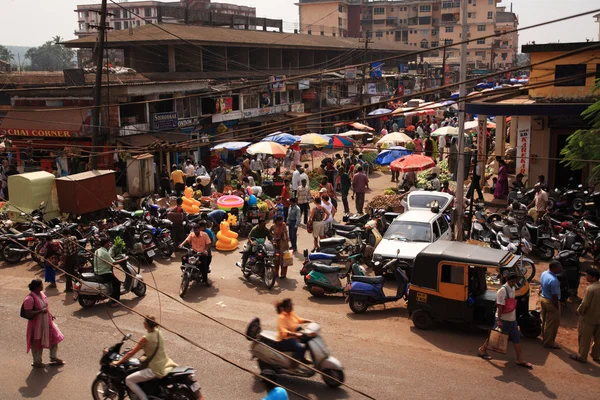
(288, 259)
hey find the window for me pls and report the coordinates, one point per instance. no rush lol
(480, 41)
(504, 56)
(426, 8)
(448, 43)
(379, 22)
(490, 15)
(117, 26)
(339, 21)
(472, 15)
(340, 7)
(435, 32)
(436, 231)
(147, 12)
(187, 107)
(566, 70)
(250, 101)
(443, 225)
(480, 28)
(597, 71)
(379, 34)
(424, 44)
(453, 274)
(117, 14)
(449, 29)
(424, 20)
(435, 43)
(125, 25)
(424, 32)
(491, 2)
(392, 9)
(379, 10)
(481, 54)
(138, 22)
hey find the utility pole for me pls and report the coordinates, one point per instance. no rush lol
(444, 64)
(98, 89)
(364, 71)
(460, 178)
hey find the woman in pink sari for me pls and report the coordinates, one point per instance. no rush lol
(502, 186)
(42, 333)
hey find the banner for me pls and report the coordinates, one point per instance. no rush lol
(351, 73)
(523, 145)
(481, 139)
(376, 70)
(224, 105)
(278, 86)
(164, 121)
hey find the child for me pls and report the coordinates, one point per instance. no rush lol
(279, 208)
(494, 181)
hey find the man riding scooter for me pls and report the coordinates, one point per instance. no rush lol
(103, 268)
(260, 231)
(200, 242)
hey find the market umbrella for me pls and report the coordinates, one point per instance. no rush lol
(386, 157)
(282, 138)
(233, 146)
(354, 133)
(340, 142)
(275, 149)
(410, 128)
(314, 139)
(402, 110)
(380, 111)
(361, 127)
(399, 137)
(413, 162)
(491, 125)
(471, 125)
(445, 130)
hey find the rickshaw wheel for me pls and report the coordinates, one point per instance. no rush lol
(422, 320)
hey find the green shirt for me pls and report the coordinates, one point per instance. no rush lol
(260, 233)
(103, 262)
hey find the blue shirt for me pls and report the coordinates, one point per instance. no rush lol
(276, 394)
(550, 285)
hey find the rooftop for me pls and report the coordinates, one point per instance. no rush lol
(505, 16)
(548, 47)
(205, 35)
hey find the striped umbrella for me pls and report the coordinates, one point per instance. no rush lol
(413, 162)
(275, 149)
(340, 142)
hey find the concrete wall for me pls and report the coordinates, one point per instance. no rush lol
(540, 152)
(322, 14)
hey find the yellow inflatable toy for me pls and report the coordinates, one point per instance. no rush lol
(231, 220)
(226, 239)
(190, 205)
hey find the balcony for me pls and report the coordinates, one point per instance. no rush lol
(450, 4)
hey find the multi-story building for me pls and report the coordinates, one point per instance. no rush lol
(597, 16)
(330, 17)
(505, 47)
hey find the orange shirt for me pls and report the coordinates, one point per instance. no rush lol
(287, 324)
(199, 243)
(177, 176)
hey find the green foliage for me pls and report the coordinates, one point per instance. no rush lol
(51, 56)
(584, 145)
(6, 54)
(118, 247)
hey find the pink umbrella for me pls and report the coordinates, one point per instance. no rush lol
(413, 162)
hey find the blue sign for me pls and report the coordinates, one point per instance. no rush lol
(403, 68)
(377, 70)
(164, 121)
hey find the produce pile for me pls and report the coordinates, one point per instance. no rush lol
(444, 175)
(315, 178)
(390, 191)
(386, 201)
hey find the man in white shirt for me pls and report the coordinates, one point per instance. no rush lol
(256, 166)
(441, 146)
(190, 173)
(296, 178)
(201, 170)
(303, 175)
(433, 126)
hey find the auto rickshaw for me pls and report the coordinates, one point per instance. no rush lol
(449, 284)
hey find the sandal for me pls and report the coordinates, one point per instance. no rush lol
(576, 358)
(38, 365)
(553, 347)
(485, 356)
(525, 365)
(56, 361)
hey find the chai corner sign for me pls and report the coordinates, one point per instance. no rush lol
(523, 145)
(49, 133)
(164, 121)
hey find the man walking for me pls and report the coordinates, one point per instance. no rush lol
(304, 197)
(506, 319)
(345, 185)
(219, 176)
(177, 176)
(70, 251)
(589, 324)
(190, 173)
(296, 179)
(360, 184)
(165, 183)
(550, 290)
(476, 182)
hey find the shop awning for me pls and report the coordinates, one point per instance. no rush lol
(148, 139)
(67, 123)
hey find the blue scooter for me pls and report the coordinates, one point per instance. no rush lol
(367, 291)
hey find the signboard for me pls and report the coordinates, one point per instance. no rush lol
(187, 122)
(297, 108)
(304, 84)
(277, 86)
(309, 95)
(403, 68)
(351, 73)
(39, 133)
(224, 105)
(481, 139)
(523, 145)
(400, 91)
(377, 70)
(371, 88)
(164, 121)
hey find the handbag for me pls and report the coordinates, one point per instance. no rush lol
(309, 227)
(498, 341)
(145, 362)
(24, 313)
(510, 303)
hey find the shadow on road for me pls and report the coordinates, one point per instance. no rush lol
(313, 388)
(198, 292)
(380, 312)
(37, 380)
(511, 373)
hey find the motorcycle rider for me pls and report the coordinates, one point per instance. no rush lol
(103, 267)
(260, 231)
(287, 330)
(159, 363)
(200, 242)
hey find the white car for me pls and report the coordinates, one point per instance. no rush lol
(424, 200)
(410, 233)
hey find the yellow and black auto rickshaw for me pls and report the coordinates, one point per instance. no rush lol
(449, 283)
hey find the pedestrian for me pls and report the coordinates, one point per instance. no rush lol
(550, 292)
(589, 322)
(42, 332)
(506, 319)
(428, 146)
(190, 173)
(540, 201)
(453, 158)
(303, 174)
(441, 146)
(296, 178)
(219, 176)
(328, 204)
(50, 253)
(293, 220)
(279, 232)
(384, 131)
(318, 214)
(304, 198)
(279, 209)
(246, 166)
(178, 178)
(285, 197)
(360, 184)
(325, 184)
(435, 182)
(70, 252)
(165, 182)
(256, 166)
(345, 184)
(274, 392)
(475, 181)
(502, 186)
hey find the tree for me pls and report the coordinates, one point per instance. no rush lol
(51, 56)
(582, 149)
(6, 54)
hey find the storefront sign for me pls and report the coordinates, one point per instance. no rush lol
(481, 139)
(297, 108)
(371, 88)
(278, 83)
(310, 95)
(376, 70)
(187, 122)
(351, 74)
(224, 105)
(39, 133)
(304, 84)
(164, 121)
(523, 145)
(253, 112)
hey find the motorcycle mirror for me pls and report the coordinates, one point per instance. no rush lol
(127, 337)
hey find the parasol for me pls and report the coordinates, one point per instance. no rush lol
(233, 146)
(314, 139)
(445, 130)
(282, 138)
(340, 142)
(413, 162)
(380, 111)
(361, 127)
(354, 133)
(386, 157)
(399, 137)
(275, 149)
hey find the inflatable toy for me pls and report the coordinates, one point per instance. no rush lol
(228, 202)
(252, 200)
(190, 205)
(231, 220)
(226, 239)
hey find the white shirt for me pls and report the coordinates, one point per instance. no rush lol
(256, 165)
(329, 208)
(420, 131)
(442, 141)
(501, 299)
(201, 170)
(304, 176)
(433, 127)
(478, 169)
(189, 170)
(296, 180)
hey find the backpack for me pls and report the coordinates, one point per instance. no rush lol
(23, 313)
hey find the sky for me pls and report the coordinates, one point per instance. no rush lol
(32, 22)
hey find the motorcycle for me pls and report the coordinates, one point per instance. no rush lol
(190, 271)
(570, 276)
(12, 252)
(480, 228)
(260, 263)
(180, 383)
(324, 279)
(138, 239)
(264, 345)
(161, 232)
(541, 240)
(91, 289)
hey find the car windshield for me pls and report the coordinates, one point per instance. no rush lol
(426, 200)
(409, 231)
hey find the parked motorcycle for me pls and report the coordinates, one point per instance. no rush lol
(138, 239)
(260, 263)
(570, 277)
(161, 232)
(190, 271)
(264, 343)
(179, 384)
(541, 240)
(12, 252)
(324, 279)
(91, 289)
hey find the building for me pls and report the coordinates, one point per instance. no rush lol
(505, 47)
(4, 66)
(330, 17)
(542, 118)
(597, 16)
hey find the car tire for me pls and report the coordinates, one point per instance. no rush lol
(422, 320)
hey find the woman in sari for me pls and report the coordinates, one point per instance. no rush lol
(42, 333)
(502, 186)
(281, 240)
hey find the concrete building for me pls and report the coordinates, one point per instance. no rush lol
(330, 17)
(505, 47)
(597, 16)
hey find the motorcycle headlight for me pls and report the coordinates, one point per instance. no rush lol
(270, 253)
(377, 257)
(192, 260)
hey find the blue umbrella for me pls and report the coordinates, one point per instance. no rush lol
(380, 111)
(284, 139)
(233, 146)
(455, 95)
(386, 157)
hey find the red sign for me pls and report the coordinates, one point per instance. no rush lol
(400, 90)
(39, 133)
(309, 95)
(224, 105)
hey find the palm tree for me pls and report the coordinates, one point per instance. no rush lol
(57, 39)
(6, 54)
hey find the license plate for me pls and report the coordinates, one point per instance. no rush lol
(75, 294)
(486, 239)
(255, 221)
(150, 253)
(195, 387)
(514, 230)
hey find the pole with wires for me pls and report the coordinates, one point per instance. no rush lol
(98, 89)
(460, 173)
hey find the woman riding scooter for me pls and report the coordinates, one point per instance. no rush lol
(287, 330)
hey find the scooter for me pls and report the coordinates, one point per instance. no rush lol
(91, 289)
(325, 279)
(541, 240)
(179, 384)
(367, 291)
(264, 345)
(190, 270)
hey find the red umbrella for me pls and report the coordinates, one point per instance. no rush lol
(338, 142)
(413, 162)
(410, 128)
